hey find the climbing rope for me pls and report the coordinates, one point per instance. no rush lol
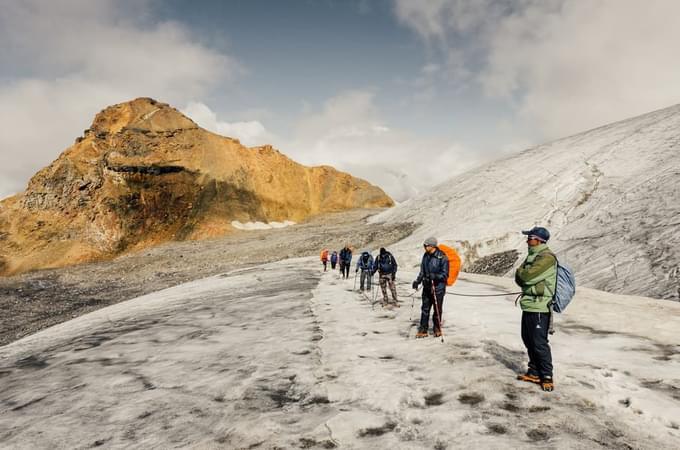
(482, 295)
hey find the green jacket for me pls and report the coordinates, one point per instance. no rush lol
(537, 277)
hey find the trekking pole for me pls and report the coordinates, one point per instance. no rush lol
(374, 291)
(373, 294)
(355, 280)
(436, 310)
(413, 302)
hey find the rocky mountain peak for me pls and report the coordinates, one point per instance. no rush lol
(142, 114)
(145, 174)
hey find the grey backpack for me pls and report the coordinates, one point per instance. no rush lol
(565, 287)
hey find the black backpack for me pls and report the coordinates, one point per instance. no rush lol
(386, 263)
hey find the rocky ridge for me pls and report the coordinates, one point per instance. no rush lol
(144, 174)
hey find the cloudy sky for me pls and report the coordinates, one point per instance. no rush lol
(404, 93)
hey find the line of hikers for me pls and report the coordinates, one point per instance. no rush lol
(384, 264)
(344, 258)
(537, 276)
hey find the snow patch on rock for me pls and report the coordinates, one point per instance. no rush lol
(249, 226)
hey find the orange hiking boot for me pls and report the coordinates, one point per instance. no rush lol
(547, 384)
(421, 334)
(529, 378)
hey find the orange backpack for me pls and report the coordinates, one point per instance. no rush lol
(324, 255)
(454, 263)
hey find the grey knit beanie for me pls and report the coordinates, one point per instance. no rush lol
(431, 242)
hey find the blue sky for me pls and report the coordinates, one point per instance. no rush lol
(404, 93)
(299, 53)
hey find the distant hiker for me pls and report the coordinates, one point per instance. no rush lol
(365, 264)
(334, 259)
(537, 277)
(434, 271)
(345, 261)
(324, 258)
(386, 266)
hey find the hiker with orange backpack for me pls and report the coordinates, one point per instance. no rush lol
(434, 273)
(324, 258)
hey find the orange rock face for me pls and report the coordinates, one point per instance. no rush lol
(144, 174)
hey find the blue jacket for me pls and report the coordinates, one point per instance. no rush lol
(434, 267)
(365, 263)
(385, 264)
(346, 255)
(334, 257)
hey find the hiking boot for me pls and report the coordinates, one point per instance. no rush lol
(437, 333)
(422, 334)
(529, 378)
(547, 384)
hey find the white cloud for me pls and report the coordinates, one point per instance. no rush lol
(442, 22)
(349, 134)
(250, 133)
(564, 65)
(65, 61)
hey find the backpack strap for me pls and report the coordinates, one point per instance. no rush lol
(551, 327)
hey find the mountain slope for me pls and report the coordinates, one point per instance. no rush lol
(610, 197)
(145, 174)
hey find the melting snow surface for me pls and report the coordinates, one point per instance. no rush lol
(287, 356)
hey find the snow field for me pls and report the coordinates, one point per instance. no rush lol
(287, 356)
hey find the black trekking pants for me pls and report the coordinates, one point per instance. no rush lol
(427, 305)
(535, 327)
(344, 269)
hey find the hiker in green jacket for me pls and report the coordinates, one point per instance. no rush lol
(537, 277)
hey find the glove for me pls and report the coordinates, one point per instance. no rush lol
(394, 276)
(415, 285)
(356, 270)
